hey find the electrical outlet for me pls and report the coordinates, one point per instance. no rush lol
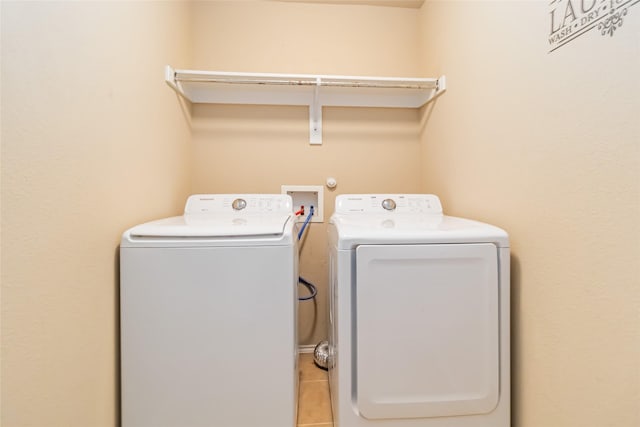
(307, 196)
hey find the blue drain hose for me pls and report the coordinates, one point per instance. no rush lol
(306, 221)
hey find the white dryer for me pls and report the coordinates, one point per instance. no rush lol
(208, 315)
(419, 315)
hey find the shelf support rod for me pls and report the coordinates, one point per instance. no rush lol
(315, 116)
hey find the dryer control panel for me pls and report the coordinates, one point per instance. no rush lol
(390, 203)
(238, 203)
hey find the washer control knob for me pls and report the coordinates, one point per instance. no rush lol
(239, 204)
(389, 204)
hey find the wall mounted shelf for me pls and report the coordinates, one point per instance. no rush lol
(314, 91)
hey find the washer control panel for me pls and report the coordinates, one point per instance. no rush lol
(388, 203)
(236, 203)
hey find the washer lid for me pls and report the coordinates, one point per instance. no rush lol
(223, 215)
(208, 225)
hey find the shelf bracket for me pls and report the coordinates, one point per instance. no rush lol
(170, 78)
(441, 87)
(315, 116)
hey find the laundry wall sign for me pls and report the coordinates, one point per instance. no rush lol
(571, 19)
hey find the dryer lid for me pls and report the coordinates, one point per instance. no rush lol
(405, 219)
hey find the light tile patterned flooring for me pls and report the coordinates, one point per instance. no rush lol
(314, 403)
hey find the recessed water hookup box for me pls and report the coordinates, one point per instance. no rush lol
(307, 196)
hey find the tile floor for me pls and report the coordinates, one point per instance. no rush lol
(314, 404)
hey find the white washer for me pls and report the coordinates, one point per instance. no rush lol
(208, 306)
(419, 315)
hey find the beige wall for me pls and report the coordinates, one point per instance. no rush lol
(547, 145)
(93, 142)
(257, 149)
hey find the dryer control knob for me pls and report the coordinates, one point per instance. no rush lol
(239, 204)
(389, 204)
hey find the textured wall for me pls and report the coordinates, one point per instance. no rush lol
(547, 145)
(93, 142)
